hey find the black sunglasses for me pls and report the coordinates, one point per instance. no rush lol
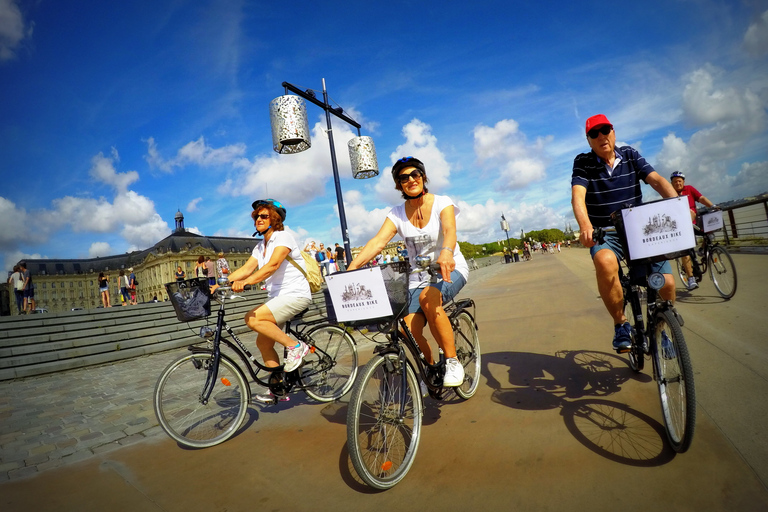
(605, 130)
(415, 174)
(264, 216)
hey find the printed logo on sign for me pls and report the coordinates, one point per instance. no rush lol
(713, 221)
(356, 295)
(660, 228)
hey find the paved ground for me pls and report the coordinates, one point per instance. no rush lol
(558, 422)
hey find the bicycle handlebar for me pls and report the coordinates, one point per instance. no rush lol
(598, 234)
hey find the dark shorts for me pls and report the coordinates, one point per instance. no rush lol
(29, 293)
(448, 290)
(613, 243)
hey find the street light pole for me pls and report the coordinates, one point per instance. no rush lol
(309, 95)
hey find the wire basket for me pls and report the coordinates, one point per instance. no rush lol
(191, 298)
(395, 277)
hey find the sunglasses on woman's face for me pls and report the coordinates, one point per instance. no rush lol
(263, 216)
(404, 178)
(605, 130)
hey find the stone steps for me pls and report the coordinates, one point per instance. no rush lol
(51, 342)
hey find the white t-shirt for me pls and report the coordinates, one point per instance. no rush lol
(426, 241)
(287, 279)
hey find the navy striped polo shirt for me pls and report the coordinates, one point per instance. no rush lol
(607, 193)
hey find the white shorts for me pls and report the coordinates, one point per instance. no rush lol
(286, 307)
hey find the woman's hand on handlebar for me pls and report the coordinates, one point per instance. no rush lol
(447, 264)
(237, 286)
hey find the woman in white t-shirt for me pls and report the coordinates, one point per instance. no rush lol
(287, 288)
(427, 223)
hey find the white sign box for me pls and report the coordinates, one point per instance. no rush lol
(359, 294)
(660, 228)
(712, 221)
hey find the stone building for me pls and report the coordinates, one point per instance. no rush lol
(64, 284)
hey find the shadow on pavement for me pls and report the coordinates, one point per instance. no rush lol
(577, 382)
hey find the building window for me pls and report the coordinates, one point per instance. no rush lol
(53, 285)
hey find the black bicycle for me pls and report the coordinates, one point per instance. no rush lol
(657, 333)
(385, 407)
(202, 398)
(713, 257)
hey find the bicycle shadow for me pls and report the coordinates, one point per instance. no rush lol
(578, 382)
(688, 297)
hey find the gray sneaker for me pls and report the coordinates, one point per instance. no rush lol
(692, 284)
(295, 356)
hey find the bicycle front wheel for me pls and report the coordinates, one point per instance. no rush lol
(674, 377)
(468, 354)
(384, 421)
(681, 272)
(722, 271)
(330, 368)
(184, 415)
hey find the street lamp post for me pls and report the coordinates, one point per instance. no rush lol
(290, 134)
(505, 228)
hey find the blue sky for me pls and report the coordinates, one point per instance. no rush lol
(117, 114)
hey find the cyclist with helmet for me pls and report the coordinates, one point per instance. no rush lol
(427, 223)
(287, 288)
(678, 183)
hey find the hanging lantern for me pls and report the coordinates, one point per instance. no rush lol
(362, 156)
(290, 128)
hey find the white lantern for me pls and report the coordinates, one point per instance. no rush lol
(362, 156)
(290, 127)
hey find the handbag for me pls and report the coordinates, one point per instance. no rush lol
(313, 275)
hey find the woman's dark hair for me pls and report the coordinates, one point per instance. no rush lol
(101, 274)
(275, 220)
(403, 163)
(200, 259)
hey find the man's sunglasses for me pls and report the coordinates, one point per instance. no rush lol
(415, 174)
(605, 130)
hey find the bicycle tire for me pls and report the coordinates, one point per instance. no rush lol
(674, 378)
(681, 272)
(722, 271)
(329, 373)
(182, 414)
(382, 442)
(636, 355)
(468, 353)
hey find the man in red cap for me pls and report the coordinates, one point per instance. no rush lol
(605, 180)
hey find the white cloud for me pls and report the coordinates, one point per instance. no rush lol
(192, 205)
(145, 233)
(292, 179)
(99, 249)
(103, 169)
(752, 179)
(13, 222)
(756, 38)
(706, 103)
(197, 153)
(422, 144)
(503, 148)
(12, 29)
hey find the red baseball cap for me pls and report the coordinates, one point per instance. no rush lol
(597, 120)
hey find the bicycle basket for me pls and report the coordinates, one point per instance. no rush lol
(395, 276)
(191, 298)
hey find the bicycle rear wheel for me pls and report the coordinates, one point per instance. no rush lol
(181, 411)
(384, 421)
(330, 368)
(722, 271)
(468, 354)
(674, 377)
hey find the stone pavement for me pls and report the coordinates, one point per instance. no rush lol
(57, 419)
(559, 422)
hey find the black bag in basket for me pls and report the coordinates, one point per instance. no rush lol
(191, 298)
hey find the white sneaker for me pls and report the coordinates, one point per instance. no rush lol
(295, 356)
(454, 373)
(692, 284)
(269, 398)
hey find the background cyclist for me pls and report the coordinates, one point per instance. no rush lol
(427, 223)
(678, 183)
(287, 289)
(603, 181)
